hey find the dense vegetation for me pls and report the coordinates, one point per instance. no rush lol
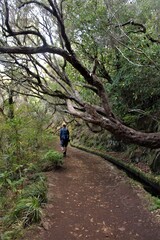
(26, 150)
(97, 60)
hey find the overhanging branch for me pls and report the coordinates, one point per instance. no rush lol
(142, 29)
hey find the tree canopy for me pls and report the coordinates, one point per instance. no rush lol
(99, 59)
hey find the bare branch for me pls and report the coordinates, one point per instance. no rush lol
(72, 110)
(142, 29)
(25, 32)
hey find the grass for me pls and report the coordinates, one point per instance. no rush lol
(38, 190)
(53, 157)
(155, 204)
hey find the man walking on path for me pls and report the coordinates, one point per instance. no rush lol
(64, 138)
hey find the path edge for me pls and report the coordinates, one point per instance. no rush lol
(144, 178)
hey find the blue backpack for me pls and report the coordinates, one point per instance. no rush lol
(64, 134)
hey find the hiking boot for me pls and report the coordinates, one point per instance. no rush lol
(64, 154)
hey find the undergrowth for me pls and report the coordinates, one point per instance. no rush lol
(23, 190)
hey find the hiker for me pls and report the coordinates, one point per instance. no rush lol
(64, 138)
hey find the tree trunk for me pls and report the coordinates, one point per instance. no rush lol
(10, 105)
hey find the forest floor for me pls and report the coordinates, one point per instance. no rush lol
(89, 198)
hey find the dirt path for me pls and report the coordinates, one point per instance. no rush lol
(90, 199)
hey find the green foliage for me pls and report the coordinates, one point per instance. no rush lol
(38, 190)
(53, 157)
(26, 206)
(28, 210)
(156, 204)
(23, 136)
(14, 234)
(7, 182)
(22, 141)
(4, 178)
(127, 54)
(101, 140)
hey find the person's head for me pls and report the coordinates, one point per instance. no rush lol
(63, 124)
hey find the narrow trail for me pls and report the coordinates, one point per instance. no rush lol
(91, 199)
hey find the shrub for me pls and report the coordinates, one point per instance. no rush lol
(156, 204)
(54, 158)
(28, 210)
(13, 234)
(38, 190)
